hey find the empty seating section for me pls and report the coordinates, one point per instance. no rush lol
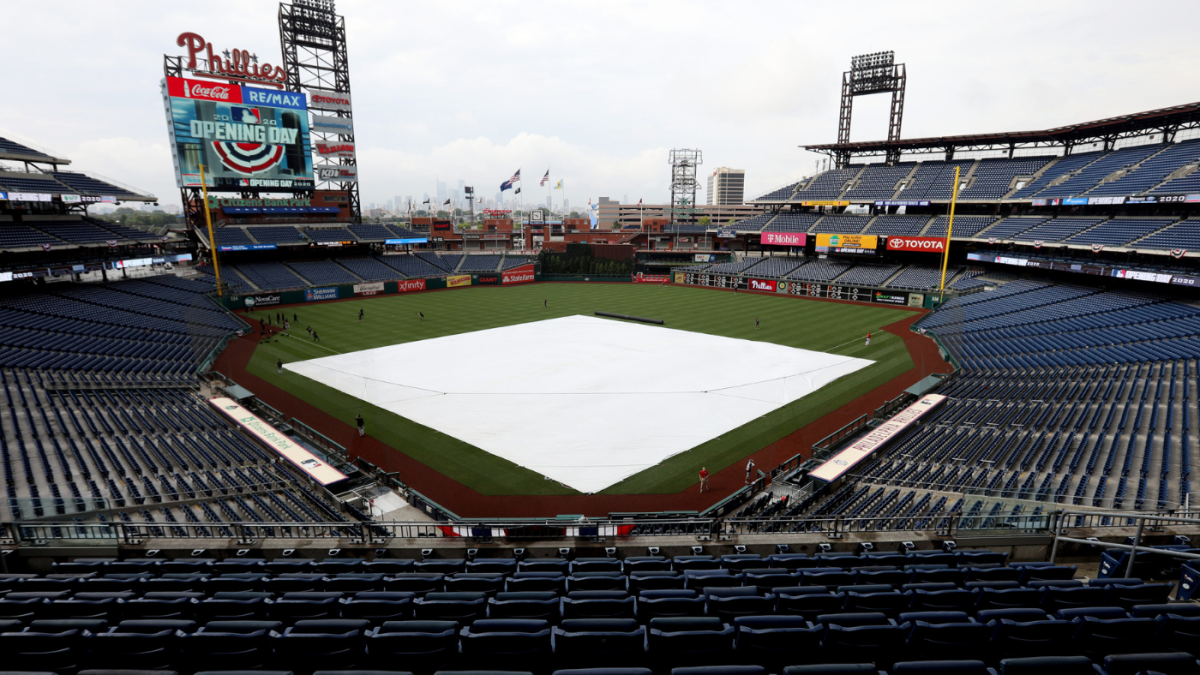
(1010, 228)
(231, 236)
(371, 232)
(1120, 231)
(993, 178)
(277, 234)
(411, 265)
(1058, 229)
(819, 270)
(1064, 166)
(792, 222)
(1089, 176)
(402, 232)
(735, 267)
(1152, 171)
(900, 225)
(271, 276)
(480, 263)
(965, 227)
(329, 234)
(933, 180)
(1182, 235)
(87, 185)
(32, 182)
(753, 223)
(774, 267)
(323, 272)
(878, 182)
(826, 185)
(370, 269)
(76, 231)
(447, 262)
(126, 232)
(841, 225)
(1188, 183)
(778, 195)
(868, 275)
(828, 614)
(15, 148)
(515, 261)
(17, 235)
(915, 277)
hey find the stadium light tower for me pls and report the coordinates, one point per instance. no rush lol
(872, 74)
(684, 164)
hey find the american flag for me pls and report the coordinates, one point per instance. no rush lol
(545, 178)
(509, 183)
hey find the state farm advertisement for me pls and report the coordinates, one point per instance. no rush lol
(923, 244)
(518, 275)
(762, 285)
(784, 238)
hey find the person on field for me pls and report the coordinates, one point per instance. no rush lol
(362, 426)
(704, 479)
(546, 304)
(422, 315)
(360, 315)
(316, 338)
(279, 366)
(868, 340)
(295, 318)
(749, 469)
(756, 323)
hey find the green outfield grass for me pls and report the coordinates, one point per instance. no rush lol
(795, 322)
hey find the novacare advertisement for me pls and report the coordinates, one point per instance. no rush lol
(518, 275)
(784, 238)
(459, 280)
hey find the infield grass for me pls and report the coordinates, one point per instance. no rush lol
(837, 328)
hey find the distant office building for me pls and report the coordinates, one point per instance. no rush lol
(726, 187)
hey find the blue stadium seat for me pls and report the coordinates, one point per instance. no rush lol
(419, 645)
(378, 607)
(600, 642)
(322, 644)
(525, 605)
(777, 640)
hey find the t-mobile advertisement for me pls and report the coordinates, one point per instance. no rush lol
(784, 238)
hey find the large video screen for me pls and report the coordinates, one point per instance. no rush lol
(247, 138)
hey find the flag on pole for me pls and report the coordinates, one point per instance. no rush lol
(447, 203)
(509, 183)
(426, 201)
(517, 191)
(545, 178)
(559, 186)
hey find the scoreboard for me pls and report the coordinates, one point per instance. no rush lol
(813, 289)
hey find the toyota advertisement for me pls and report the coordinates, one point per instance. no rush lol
(920, 244)
(246, 138)
(784, 238)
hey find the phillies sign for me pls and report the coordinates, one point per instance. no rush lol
(339, 149)
(762, 285)
(925, 244)
(237, 65)
(784, 238)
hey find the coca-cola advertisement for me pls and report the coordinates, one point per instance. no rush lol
(247, 138)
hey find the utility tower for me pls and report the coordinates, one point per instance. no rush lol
(872, 74)
(684, 165)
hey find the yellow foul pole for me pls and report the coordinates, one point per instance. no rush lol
(949, 231)
(212, 246)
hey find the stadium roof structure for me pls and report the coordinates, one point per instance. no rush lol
(12, 150)
(1107, 131)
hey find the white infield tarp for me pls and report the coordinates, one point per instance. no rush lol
(584, 401)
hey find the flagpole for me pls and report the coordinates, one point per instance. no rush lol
(212, 246)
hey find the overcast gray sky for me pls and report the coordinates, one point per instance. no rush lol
(599, 92)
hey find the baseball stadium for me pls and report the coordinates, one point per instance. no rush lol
(893, 417)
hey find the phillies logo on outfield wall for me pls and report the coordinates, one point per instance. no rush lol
(762, 285)
(926, 244)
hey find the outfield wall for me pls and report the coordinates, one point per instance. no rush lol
(875, 295)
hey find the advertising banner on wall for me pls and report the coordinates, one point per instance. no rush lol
(337, 173)
(315, 294)
(845, 460)
(328, 99)
(373, 288)
(924, 244)
(784, 238)
(458, 280)
(410, 285)
(278, 441)
(518, 275)
(333, 125)
(767, 285)
(245, 137)
(858, 244)
(334, 150)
